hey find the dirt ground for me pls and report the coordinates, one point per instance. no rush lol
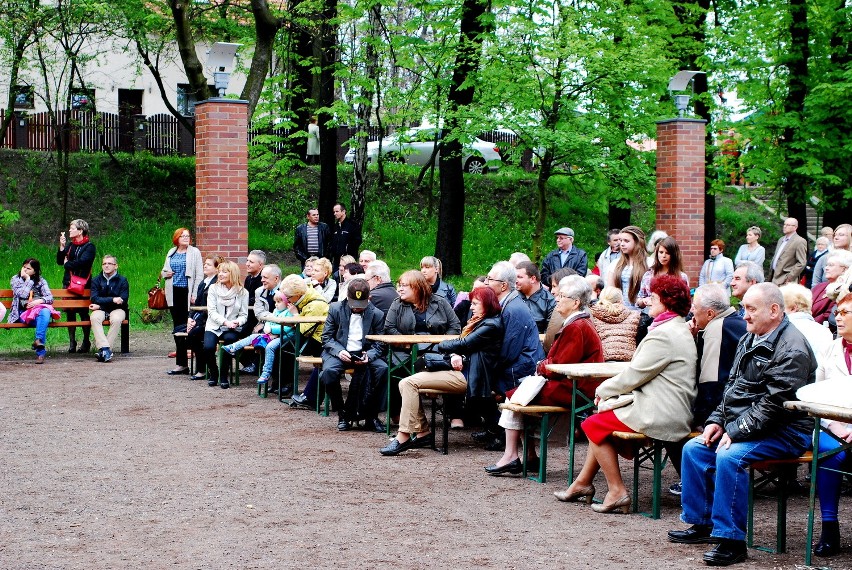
(120, 466)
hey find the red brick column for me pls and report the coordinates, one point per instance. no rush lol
(680, 188)
(221, 178)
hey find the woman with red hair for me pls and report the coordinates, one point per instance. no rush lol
(471, 357)
(183, 271)
(653, 396)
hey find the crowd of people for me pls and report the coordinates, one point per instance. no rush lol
(719, 360)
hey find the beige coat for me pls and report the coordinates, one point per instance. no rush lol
(661, 378)
(791, 261)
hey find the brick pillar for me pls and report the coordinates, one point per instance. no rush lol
(680, 188)
(221, 178)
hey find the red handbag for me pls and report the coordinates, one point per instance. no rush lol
(78, 285)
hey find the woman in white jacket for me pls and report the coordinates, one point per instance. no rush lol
(227, 311)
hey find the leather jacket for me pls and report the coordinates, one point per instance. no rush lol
(762, 378)
(300, 241)
(481, 351)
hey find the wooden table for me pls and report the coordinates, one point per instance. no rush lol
(819, 412)
(410, 343)
(592, 374)
(296, 344)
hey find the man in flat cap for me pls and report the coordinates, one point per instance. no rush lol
(565, 255)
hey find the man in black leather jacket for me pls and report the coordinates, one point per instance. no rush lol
(772, 361)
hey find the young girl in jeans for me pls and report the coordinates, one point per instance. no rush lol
(270, 338)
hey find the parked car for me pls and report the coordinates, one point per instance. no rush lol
(415, 146)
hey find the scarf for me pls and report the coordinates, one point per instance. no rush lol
(80, 240)
(227, 297)
(663, 317)
(847, 354)
(471, 324)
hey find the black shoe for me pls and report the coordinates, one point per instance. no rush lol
(285, 391)
(212, 382)
(727, 552)
(423, 440)
(198, 376)
(178, 372)
(99, 355)
(514, 468)
(300, 401)
(224, 385)
(696, 534)
(376, 425)
(496, 444)
(72, 347)
(107, 355)
(829, 540)
(85, 347)
(395, 447)
(343, 425)
(533, 465)
(483, 436)
(273, 392)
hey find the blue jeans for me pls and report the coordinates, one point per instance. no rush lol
(41, 322)
(269, 352)
(828, 482)
(715, 480)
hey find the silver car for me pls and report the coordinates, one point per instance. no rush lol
(415, 146)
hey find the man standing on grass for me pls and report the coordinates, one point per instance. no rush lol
(109, 294)
(565, 255)
(345, 237)
(312, 238)
(791, 255)
(750, 424)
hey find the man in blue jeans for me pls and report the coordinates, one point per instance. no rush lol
(772, 361)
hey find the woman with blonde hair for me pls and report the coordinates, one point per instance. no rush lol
(227, 312)
(751, 250)
(631, 266)
(321, 279)
(615, 324)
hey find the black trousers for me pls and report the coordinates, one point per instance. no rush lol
(211, 343)
(180, 314)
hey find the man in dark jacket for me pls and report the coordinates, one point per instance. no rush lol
(109, 295)
(312, 238)
(538, 300)
(565, 255)
(345, 237)
(772, 361)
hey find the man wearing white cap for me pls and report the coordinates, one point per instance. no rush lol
(565, 255)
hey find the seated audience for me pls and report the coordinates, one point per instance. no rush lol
(797, 306)
(32, 304)
(308, 269)
(772, 361)
(576, 342)
(654, 396)
(470, 361)
(365, 258)
(227, 312)
(109, 294)
(321, 279)
(615, 324)
(836, 263)
(307, 302)
(351, 270)
(462, 308)
(538, 300)
(840, 241)
(382, 291)
(197, 320)
(666, 260)
(338, 274)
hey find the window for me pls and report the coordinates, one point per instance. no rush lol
(83, 99)
(24, 96)
(187, 98)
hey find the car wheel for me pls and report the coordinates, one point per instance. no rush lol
(475, 165)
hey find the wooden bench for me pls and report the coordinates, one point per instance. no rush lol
(323, 403)
(544, 413)
(63, 300)
(434, 395)
(645, 449)
(781, 472)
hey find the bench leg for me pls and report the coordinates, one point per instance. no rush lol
(542, 458)
(446, 422)
(659, 462)
(125, 337)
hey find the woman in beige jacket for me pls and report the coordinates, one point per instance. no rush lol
(653, 396)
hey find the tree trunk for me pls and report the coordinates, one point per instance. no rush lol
(328, 135)
(449, 240)
(186, 47)
(795, 186)
(266, 27)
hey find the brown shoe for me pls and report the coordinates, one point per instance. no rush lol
(40, 359)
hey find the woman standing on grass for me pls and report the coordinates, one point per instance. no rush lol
(227, 312)
(77, 258)
(631, 266)
(183, 270)
(751, 250)
(32, 303)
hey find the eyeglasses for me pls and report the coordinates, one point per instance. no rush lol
(492, 280)
(108, 263)
(843, 313)
(563, 296)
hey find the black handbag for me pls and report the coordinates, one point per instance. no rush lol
(435, 362)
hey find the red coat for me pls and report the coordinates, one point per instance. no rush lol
(822, 305)
(577, 342)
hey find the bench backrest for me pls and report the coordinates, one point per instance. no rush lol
(62, 299)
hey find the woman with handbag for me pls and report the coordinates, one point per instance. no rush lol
(197, 320)
(227, 312)
(464, 365)
(32, 303)
(653, 396)
(77, 258)
(182, 270)
(577, 341)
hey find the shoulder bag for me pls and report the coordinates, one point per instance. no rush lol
(77, 285)
(157, 298)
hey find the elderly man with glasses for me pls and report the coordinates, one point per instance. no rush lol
(565, 255)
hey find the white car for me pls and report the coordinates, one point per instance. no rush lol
(415, 146)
